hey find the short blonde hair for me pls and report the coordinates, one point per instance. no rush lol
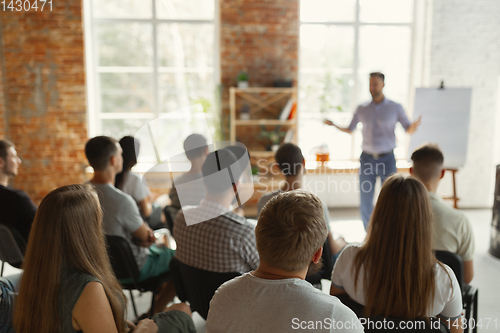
(291, 228)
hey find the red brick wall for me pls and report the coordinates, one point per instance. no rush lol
(43, 82)
(260, 37)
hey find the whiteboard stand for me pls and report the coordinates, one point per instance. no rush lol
(454, 196)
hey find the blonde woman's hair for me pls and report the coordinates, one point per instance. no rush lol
(291, 228)
(399, 265)
(66, 234)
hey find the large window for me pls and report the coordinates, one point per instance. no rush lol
(147, 58)
(341, 42)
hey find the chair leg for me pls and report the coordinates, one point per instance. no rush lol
(1, 273)
(474, 314)
(151, 311)
(133, 303)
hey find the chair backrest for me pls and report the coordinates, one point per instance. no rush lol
(392, 324)
(197, 286)
(122, 259)
(170, 214)
(455, 262)
(11, 243)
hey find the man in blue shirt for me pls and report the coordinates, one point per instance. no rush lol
(379, 118)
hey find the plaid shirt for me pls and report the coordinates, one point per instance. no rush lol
(225, 243)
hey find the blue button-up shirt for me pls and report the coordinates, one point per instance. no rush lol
(379, 121)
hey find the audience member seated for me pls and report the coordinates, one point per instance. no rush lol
(131, 183)
(68, 284)
(9, 286)
(196, 150)
(292, 164)
(122, 217)
(290, 234)
(16, 208)
(452, 230)
(394, 273)
(225, 241)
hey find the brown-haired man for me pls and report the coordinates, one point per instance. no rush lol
(452, 230)
(275, 298)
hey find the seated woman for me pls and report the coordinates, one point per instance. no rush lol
(68, 284)
(394, 273)
(131, 183)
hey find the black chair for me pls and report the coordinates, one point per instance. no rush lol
(197, 286)
(125, 267)
(469, 293)
(11, 247)
(326, 270)
(393, 324)
(170, 214)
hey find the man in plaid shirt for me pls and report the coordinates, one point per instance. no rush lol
(222, 241)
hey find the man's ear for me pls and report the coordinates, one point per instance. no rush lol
(317, 256)
(112, 161)
(2, 162)
(442, 173)
(411, 171)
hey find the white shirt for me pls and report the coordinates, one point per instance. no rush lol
(447, 300)
(133, 186)
(251, 304)
(452, 230)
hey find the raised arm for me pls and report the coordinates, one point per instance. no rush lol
(414, 126)
(343, 129)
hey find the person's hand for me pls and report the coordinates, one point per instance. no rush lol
(146, 326)
(414, 126)
(328, 122)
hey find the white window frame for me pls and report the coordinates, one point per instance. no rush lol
(418, 50)
(94, 108)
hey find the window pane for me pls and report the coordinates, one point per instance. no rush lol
(327, 10)
(326, 46)
(325, 92)
(118, 128)
(384, 47)
(122, 8)
(386, 11)
(126, 92)
(314, 133)
(125, 44)
(185, 9)
(186, 45)
(180, 90)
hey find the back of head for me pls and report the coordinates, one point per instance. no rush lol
(66, 234)
(427, 162)
(99, 150)
(397, 254)
(195, 146)
(290, 159)
(291, 228)
(5, 145)
(130, 150)
(220, 160)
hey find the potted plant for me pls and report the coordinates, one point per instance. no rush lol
(274, 137)
(242, 80)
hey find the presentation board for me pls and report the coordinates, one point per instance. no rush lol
(445, 121)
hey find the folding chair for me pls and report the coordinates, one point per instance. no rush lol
(125, 267)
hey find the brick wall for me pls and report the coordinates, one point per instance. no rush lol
(465, 53)
(43, 82)
(260, 37)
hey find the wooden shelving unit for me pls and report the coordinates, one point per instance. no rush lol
(265, 107)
